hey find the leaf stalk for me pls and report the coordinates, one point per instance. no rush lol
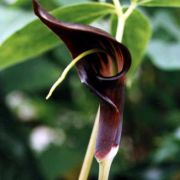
(122, 17)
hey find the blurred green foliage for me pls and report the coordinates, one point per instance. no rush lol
(47, 140)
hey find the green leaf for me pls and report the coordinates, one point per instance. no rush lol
(165, 55)
(113, 25)
(160, 3)
(31, 75)
(12, 20)
(57, 161)
(66, 2)
(35, 38)
(136, 37)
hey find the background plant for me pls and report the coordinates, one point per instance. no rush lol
(150, 144)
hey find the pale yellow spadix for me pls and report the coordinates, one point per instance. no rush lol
(69, 67)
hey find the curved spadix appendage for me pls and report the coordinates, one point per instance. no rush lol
(69, 67)
(96, 72)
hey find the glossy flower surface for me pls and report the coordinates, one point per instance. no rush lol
(103, 73)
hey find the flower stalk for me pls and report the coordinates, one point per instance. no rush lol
(105, 164)
(90, 151)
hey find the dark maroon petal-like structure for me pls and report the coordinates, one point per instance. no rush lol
(96, 72)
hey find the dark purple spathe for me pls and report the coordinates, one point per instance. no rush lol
(96, 72)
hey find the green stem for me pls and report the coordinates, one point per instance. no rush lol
(90, 151)
(105, 164)
(130, 10)
(118, 7)
(121, 20)
(120, 28)
(104, 168)
(122, 17)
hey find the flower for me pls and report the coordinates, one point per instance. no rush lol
(96, 71)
